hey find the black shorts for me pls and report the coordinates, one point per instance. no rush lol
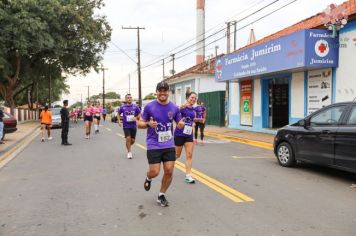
(181, 140)
(97, 117)
(88, 118)
(130, 132)
(161, 155)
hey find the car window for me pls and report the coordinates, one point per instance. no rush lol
(352, 118)
(55, 111)
(327, 117)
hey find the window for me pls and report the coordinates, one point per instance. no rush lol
(328, 117)
(352, 118)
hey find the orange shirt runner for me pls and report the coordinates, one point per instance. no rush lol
(46, 117)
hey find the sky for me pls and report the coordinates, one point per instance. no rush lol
(172, 23)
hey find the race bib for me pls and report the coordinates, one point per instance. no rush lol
(87, 113)
(130, 118)
(164, 136)
(188, 130)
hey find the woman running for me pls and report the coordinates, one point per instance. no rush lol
(97, 115)
(200, 111)
(88, 119)
(184, 137)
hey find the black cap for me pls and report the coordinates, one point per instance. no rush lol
(65, 101)
(162, 85)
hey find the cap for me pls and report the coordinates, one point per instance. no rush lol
(162, 85)
(65, 101)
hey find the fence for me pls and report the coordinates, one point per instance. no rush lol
(22, 115)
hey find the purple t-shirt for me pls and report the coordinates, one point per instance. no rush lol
(188, 114)
(129, 113)
(200, 111)
(162, 136)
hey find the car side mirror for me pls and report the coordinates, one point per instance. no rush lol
(303, 123)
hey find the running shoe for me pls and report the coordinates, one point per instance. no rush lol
(129, 155)
(189, 179)
(202, 143)
(42, 139)
(195, 141)
(50, 138)
(162, 201)
(147, 184)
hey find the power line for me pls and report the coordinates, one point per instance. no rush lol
(181, 45)
(215, 33)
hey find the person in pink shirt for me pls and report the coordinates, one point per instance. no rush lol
(97, 115)
(88, 113)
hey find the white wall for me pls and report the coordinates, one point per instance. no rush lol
(297, 95)
(205, 84)
(257, 93)
(346, 72)
(234, 98)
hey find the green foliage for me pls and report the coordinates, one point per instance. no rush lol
(150, 96)
(49, 37)
(112, 95)
(77, 104)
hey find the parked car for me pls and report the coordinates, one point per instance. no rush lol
(326, 137)
(56, 118)
(10, 124)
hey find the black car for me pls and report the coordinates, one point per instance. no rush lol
(326, 137)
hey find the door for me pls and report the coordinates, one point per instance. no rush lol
(345, 143)
(278, 103)
(316, 141)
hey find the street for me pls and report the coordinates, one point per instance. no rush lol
(91, 188)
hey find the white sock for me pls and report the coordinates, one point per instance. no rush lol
(96, 127)
(160, 194)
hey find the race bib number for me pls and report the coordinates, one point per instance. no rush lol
(130, 118)
(188, 130)
(164, 136)
(87, 113)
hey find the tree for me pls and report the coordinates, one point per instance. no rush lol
(150, 96)
(48, 38)
(112, 95)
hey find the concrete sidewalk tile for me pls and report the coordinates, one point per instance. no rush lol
(243, 134)
(23, 130)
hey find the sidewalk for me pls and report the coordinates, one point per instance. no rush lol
(23, 130)
(240, 134)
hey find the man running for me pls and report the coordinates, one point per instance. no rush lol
(46, 123)
(130, 114)
(200, 111)
(158, 118)
(184, 137)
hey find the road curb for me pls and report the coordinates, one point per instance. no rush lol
(11, 152)
(255, 143)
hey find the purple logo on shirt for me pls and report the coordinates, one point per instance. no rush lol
(163, 128)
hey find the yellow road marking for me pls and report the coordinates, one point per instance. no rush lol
(118, 134)
(108, 129)
(221, 188)
(255, 143)
(217, 189)
(141, 146)
(219, 184)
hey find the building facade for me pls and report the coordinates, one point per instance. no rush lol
(288, 75)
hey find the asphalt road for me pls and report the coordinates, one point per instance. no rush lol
(91, 188)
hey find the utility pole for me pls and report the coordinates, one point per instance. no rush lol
(173, 71)
(138, 62)
(227, 82)
(235, 22)
(216, 51)
(163, 69)
(129, 84)
(103, 69)
(50, 88)
(88, 93)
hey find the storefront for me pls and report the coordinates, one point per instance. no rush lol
(280, 81)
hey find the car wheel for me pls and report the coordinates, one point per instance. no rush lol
(285, 155)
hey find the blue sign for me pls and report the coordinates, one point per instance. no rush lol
(312, 48)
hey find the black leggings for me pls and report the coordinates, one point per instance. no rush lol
(201, 126)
